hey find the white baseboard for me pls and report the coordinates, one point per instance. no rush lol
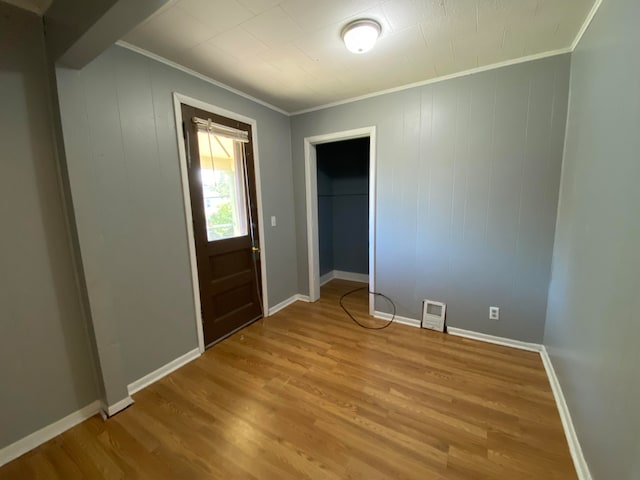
(342, 275)
(412, 322)
(108, 411)
(162, 371)
(483, 337)
(579, 462)
(354, 277)
(327, 277)
(289, 301)
(284, 304)
(45, 434)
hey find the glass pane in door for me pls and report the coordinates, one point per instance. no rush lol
(223, 186)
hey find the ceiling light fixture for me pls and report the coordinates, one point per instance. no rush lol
(360, 35)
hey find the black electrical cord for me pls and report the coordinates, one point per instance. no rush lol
(371, 293)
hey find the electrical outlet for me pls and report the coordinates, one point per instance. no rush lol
(273, 221)
(494, 313)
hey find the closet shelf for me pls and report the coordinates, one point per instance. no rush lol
(345, 195)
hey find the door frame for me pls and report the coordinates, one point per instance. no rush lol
(179, 99)
(311, 182)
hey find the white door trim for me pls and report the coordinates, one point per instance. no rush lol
(311, 181)
(177, 100)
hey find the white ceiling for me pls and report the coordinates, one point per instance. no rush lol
(289, 52)
(36, 6)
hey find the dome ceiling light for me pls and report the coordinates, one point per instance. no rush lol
(360, 36)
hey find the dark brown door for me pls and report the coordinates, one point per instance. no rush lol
(225, 217)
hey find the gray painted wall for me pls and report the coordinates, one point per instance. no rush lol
(122, 156)
(468, 175)
(46, 367)
(593, 319)
(343, 206)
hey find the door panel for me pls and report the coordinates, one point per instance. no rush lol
(223, 193)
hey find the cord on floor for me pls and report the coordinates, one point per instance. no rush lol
(371, 293)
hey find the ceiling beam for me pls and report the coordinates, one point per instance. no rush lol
(78, 31)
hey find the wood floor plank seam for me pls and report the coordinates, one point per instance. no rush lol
(307, 394)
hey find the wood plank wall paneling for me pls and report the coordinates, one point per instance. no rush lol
(466, 192)
(306, 394)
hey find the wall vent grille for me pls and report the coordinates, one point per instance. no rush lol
(433, 315)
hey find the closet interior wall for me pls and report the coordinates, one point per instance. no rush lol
(343, 206)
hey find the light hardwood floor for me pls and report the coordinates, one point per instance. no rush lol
(306, 394)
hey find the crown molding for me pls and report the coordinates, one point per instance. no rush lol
(193, 73)
(463, 73)
(472, 71)
(586, 23)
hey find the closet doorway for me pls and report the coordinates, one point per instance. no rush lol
(340, 193)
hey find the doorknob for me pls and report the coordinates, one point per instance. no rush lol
(255, 249)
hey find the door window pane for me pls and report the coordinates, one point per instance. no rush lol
(223, 186)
